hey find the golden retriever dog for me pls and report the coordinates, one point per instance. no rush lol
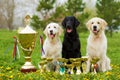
(52, 45)
(97, 44)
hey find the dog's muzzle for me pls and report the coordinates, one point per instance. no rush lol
(52, 35)
(68, 29)
(95, 30)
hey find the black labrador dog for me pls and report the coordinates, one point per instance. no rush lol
(71, 43)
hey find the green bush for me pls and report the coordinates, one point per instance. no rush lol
(37, 23)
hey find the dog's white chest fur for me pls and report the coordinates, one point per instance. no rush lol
(52, 49)
(97, 46)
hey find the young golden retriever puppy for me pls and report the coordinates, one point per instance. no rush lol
(52, 45)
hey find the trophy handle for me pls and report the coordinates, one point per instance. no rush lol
(26, 49)
(30, 49)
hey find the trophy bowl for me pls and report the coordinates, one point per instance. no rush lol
(27, 42)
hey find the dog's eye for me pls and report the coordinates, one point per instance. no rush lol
(98, 22)
(49, 27)
(54, 27)
(92, 22)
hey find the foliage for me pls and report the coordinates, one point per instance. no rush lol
(10, 70)
(110, 11)
(68, 10)
(37, 23)
(82, 18)
(45, 6)
(59, 13)
(74, 6)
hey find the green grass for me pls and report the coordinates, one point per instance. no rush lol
(10, 69)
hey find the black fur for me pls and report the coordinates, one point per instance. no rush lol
(71, 43)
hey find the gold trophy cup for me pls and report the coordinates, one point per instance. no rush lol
(94, 64)
(27, 38)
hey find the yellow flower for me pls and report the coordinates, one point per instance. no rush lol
(11, 77)
(112, 65)
(8, 68)
(86, 79)
(118, 76)
(115, 66)
(108, 73)
(10, 72)
(30, 78)
(1, 74)
(1, 67)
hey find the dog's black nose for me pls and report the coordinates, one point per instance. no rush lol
(68, 25)
(94, 27)
(51, 31)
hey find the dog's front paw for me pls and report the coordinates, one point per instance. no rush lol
(109, 68)
(103, 70)
(87, 70)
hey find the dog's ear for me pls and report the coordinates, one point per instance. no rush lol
(60, 30)
(76, 22)
(45, 31)
(104, 23)
(88, 24)
(64, 22)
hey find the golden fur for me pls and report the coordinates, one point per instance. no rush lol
(97, 44)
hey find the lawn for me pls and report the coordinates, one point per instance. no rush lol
(10, 68)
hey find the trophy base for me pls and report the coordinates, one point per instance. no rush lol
(28, 70)
(28, 67)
